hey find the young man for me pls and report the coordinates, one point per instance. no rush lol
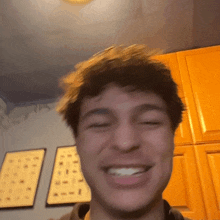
(123, 109)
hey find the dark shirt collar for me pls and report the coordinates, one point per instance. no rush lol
(170, 213)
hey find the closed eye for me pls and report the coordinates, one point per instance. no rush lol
(99, 125)
(151, 123)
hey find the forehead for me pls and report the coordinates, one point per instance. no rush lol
(121, 99)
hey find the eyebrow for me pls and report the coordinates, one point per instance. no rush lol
(96, 111)
(138, 110)
(149, 107)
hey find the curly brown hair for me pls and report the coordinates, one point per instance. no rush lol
(125, 66)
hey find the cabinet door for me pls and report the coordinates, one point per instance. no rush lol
(184, 189)
(208, 159)
(183, 133)
(200, 72)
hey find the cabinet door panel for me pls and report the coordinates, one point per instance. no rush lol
(200, 72)
(208, 159)
(183, 133)
(184, 189)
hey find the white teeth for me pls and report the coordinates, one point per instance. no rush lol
(125, 171)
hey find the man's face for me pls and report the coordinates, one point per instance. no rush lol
(125, 143)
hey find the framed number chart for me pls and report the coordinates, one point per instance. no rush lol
(19, 178)
(67, 185)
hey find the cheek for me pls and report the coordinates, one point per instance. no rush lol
(161, 147)
(92, 143)
(161, 140)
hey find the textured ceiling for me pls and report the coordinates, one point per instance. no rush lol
(43, 40)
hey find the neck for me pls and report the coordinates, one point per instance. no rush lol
(155, 210)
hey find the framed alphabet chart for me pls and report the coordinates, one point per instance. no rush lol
(67, 185)
(19, 178)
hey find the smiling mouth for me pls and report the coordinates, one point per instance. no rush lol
(126, 171)
(128, 176)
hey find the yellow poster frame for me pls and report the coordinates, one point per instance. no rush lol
(67, 184)
(19, 178)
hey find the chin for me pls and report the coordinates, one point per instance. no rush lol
(132, 203)
(130, 209)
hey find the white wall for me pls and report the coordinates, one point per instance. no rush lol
(33, 127)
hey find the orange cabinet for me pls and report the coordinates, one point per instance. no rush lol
(184, 189)
(200, 74)
(208, 160)
(183, 134)
(194, 187)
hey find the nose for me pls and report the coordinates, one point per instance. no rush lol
(126, 138)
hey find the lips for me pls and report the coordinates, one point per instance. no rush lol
(128, 179)
(121, 166)
(126, 171)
